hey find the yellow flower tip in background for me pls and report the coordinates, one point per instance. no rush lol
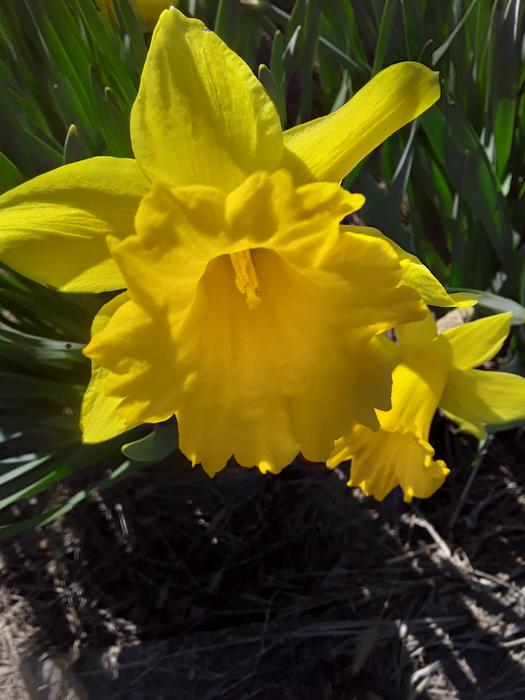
(148, 11)
(251, 314)
(435, 371)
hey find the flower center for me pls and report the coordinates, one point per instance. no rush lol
(246, 278)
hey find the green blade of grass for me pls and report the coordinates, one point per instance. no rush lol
(384, 35)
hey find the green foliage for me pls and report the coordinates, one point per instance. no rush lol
(450, 187)
(68, 80)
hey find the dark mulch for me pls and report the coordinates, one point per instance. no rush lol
(291, 587)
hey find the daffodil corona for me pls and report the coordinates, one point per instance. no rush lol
(250, 313)
(434, 371)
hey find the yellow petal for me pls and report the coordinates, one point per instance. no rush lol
(475, 399)
(383, 460)
(474, 343)
(100, 419)
(419, 277)
(104, 314)
(253, 319)
(418, 383)
(328, 148)
(201, 116)
(417, 334)
(373, 274)
(178, 233)
(376, 363)
(183, 229)
(99, 416)
(265, 206)
(138, 350)
(149, 10)
(53, 228)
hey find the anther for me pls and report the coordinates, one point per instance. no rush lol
(246, 278)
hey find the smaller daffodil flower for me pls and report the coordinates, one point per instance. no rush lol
(434, 371)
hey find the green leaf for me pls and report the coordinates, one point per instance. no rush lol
(17, 386)
(383, 207)
(310, 40)
(157, 445)
(464, 159)
(227, 22)
(274, 91)
(505, 77)
(73, 148)
(10, 175)
(277, 59)
(125, 470)
(384, 35)
(441, 50)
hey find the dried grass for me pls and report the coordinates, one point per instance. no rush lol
(175, 586)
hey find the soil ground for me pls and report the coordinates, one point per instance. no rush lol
(249, 587)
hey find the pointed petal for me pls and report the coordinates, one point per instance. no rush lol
(100, 419)
(474, 343)
(476, 398)
(201, 116)
(433, 293)
(328, 148)
(419, 277)
(54, 227)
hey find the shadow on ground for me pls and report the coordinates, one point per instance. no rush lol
(175, 586)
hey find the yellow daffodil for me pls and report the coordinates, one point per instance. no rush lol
(148, 11)
(434, 371)
(250, 313)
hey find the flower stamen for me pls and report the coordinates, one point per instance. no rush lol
(246, 278)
